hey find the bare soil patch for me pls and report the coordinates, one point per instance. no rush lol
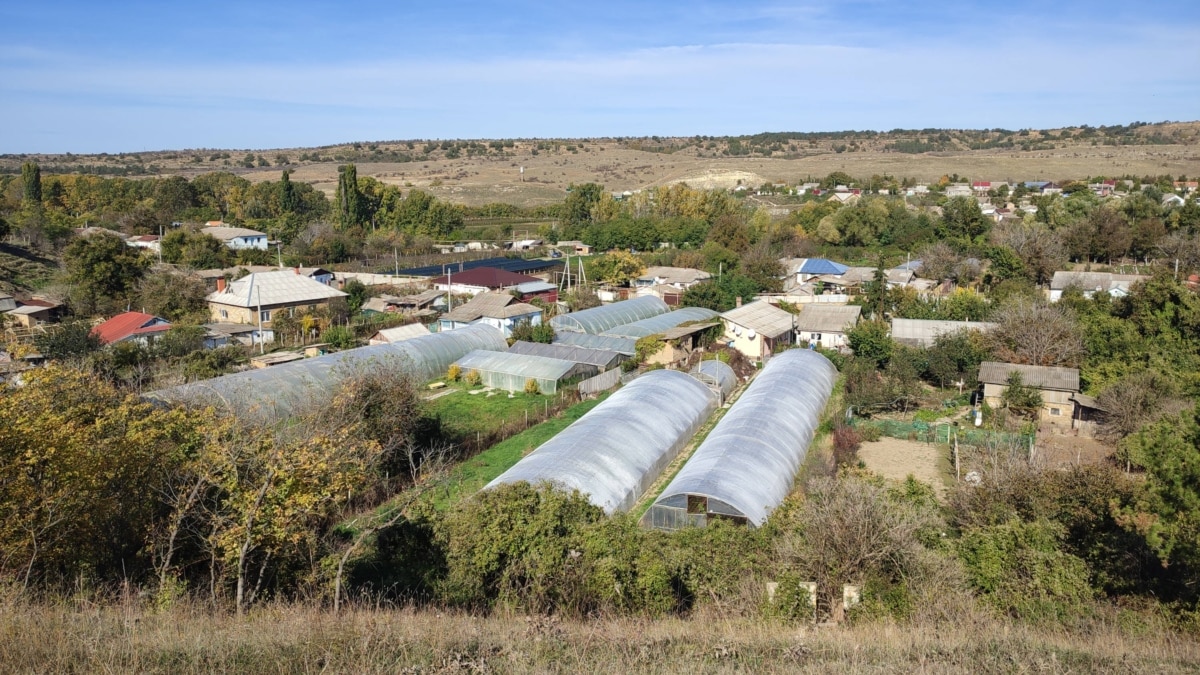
(1057, 450)
(896, 459)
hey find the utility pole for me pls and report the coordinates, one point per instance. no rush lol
(262, 347)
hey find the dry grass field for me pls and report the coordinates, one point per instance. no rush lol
(492, 174)
(294, 639)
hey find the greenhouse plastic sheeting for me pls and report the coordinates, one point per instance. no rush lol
(661, 323)
(746, 465)
(599, 319)
(716, 374)
(601, 358)
(277, 389)
(626, 346)
(510, 371)
(618, 449)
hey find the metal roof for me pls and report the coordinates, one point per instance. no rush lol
(596, 357)
(818, 318)
(507, 264)
(617, 450)
(273, 392)
(1053, 378)
(620, 345)
(484, 304)
(821, 266)
(487, 277)
(535, 287)
(675, 275)
(600, 319)
(283, 287)
(746, 465)
(762, 317)
(660, 323)
(402, 333)
(923, 332)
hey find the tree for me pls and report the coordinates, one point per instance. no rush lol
(356, 295)
(527, 332)
(101, 269)
(618, 267)
(348, 197)
(577, 208)
(173, 296)
(68, 340)
(31, 178)
(1021, 399)
(287, 193)
(1137, 400)
(193, 249)
(963, 219)
(869, 340)
(1036, 334)
(955, 357)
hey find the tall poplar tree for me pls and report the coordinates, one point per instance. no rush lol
(349, 200)
(31, 175)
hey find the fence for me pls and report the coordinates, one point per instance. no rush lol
(944, 433)
(602, 382)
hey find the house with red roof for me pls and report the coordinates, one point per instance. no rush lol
(131, 326)
(481, 279)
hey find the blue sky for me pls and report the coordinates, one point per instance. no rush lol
(131, 76)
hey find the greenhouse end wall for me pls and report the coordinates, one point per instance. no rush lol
(615, 452)
(746, 465)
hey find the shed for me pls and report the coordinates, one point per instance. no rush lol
(1057, 386)
(616, 451)
(754, 329)
(398, 334)
(510, 371)
(597, 320)
(826, 325)
(746, 465)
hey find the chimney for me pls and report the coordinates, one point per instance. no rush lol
(297, 270)
(739, 301)
(220, 284)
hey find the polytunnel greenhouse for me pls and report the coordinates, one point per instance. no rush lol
(746, 465)
(661, 323)
(717, 375)
(623, 346)
(601, 358)
(510, 371)
(277, 389)
(599, 319)
(618, 449)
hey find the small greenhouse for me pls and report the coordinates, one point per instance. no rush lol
(622, 346)
(599, 319)
(615, 452)
(661, 323)
(746, 465)
(276, 390)
(718, 376)
(601, 358)
(510, 371)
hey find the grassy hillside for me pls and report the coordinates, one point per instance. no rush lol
(22, 269)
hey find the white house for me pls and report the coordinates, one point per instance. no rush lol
(501, 310)
(755, 328)
(826, 325)
(235, 237)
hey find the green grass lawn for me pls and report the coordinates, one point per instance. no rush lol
(462, 413)
(474, 473)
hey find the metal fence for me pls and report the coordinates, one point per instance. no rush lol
(600, 383)
(944, 433)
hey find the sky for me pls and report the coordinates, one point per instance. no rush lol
(88, 77)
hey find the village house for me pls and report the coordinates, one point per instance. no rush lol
(480, 280)
(1090, 283)
(235, 237)
(1058, 387)
(501, 310)
(34, 312)
(680, 278)
(319, 274)
(826, 325)
(131, 327)
(757, 328)
(261, 296)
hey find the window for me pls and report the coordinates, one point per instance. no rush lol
(264, 315)
(224, 314)
(1055, 411)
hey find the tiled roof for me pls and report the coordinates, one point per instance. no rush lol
(762, 317)
(124, 325)
(1039, 377)
(268, 289)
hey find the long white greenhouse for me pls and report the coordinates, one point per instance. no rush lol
(620, 345)
(510, 371)
(618, 449)
(661, 323)
(717, 375)
(746, 465)
(277, 389)
(599, 319)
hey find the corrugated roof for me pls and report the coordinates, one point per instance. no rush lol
(620, 345)
(507, 264)
(675, 275)
(492, 305)
(923, 332)
(762, 317)
(818, 318)
(661, 323)
(486, 277)
(124, 325)
(1041, 377)
(535, 287)
(402, 333)
(1087, 401)
(273, 288)
(821, 266)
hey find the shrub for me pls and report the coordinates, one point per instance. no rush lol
(473, 378)
(339, 337)
(846, 442)
(454, 373)
(531, 386)
(869, 433)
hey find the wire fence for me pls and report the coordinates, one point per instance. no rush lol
(944, 433)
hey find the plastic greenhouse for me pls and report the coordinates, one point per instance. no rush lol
(510, 371)
(661, 323)
(278, 389)
(599, 319)
(717, 375)
(746, 465)
(620, 345)
(618, 449)
(601, 358)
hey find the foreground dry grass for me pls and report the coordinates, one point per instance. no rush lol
(53, 639)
